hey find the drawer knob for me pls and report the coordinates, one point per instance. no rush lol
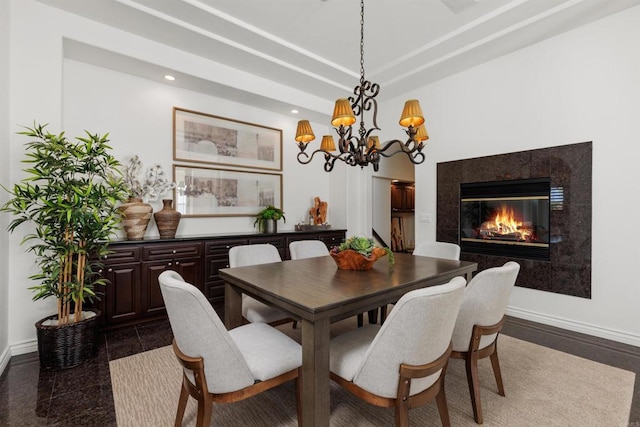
(110, 270)
(169, 264)
(173, 251)
(227, 265)
(177, 262)
(105, 257)
(228, 246)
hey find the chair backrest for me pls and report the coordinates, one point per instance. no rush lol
(484, 303)
(307, 249)
(418, 331)
(438, 250)
(243, 255)
(199, 332)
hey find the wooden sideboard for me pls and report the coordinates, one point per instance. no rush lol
(132, 294)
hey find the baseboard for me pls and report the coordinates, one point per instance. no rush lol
(4, 359)
(24, 347)
(580, 327)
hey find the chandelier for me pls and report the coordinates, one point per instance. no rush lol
(364, 148)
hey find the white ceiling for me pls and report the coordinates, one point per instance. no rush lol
(313, 45)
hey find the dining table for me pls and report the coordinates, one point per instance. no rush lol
(316, 293)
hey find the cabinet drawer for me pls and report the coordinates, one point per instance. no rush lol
(276, 241)
(122, 254)
(222, 246)
(154, 252)
(332, 239)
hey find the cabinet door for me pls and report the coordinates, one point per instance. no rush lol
(397, 198)
(409, 198)
(121, 300)
(152, 301)
(190, 269)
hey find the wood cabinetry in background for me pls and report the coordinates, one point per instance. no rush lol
(132, 293)
(402, 197)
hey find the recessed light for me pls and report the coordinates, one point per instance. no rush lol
(169, 77)
(295, 111)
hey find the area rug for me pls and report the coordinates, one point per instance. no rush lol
(543, 387)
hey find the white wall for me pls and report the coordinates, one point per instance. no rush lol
(74, 96)
(580, 86)
(4, 180)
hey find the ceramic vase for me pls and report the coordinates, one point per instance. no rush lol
(167, 219)
(135, 217)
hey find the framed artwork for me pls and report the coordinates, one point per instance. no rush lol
(202, 191)
(203, 138)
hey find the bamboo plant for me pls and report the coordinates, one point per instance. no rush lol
(69, 195)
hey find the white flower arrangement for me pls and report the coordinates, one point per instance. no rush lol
(152, 186)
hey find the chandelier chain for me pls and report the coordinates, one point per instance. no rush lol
(361, 41)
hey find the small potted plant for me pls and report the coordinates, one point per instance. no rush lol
(359, 253)
(68, 197)
(267, 219)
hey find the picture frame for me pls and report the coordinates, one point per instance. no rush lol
(205, 138)
(202, 191)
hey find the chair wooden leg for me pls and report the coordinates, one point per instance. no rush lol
(295, 324)
(471, 362)
(182, 405)
(360, 320)
(496, 372)
(443, 409)
(205, 409)
(383, 313)
(402, 403)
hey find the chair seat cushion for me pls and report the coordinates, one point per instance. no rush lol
(267, 351)
(255, 311)
(349, 349)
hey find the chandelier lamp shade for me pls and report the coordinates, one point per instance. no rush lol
(364, 148)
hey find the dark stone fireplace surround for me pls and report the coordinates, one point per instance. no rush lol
(568, 166)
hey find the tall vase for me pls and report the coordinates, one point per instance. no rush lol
(136, 216)
(167, 220)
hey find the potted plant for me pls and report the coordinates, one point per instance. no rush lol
(359, 253)
(267, 219)
(69, 196)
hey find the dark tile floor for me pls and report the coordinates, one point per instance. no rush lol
(82, 395)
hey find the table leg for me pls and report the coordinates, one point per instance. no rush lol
(232, 306)
(315, 373)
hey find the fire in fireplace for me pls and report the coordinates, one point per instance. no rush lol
(506, 218)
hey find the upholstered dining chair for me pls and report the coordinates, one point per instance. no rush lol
(438, 250)
(432, 249)
(481, 316)
(307, 249)
(219, 365)
(402, 364)
(253, 310)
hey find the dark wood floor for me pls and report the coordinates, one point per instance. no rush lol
(83, 396)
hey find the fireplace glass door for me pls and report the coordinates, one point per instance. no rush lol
(506, 218)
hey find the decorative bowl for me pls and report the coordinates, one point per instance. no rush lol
(349, 259)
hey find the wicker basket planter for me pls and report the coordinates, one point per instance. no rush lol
(66, 346)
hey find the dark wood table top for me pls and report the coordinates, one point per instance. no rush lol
(315, 288)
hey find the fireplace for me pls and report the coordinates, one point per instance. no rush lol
(506, 218)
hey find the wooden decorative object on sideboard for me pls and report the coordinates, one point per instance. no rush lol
(132, 294)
